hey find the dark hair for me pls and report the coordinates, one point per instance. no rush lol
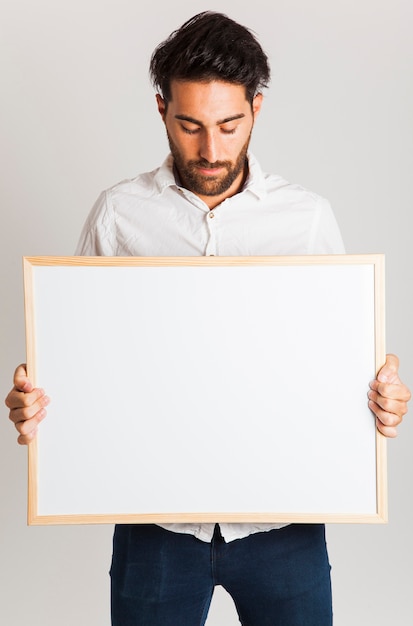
(210, 46)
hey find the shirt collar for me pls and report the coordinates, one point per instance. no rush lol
(164, 177)
(255, 183)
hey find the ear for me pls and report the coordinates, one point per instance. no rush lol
(161, 106)
(256, 104)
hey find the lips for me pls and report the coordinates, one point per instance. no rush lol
(210, 171)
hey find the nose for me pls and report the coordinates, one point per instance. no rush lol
(208, 149)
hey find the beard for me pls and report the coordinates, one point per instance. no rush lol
(208, 185)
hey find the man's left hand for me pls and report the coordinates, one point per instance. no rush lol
(388, 397)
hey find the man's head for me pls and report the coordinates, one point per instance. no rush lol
(210, 74)
(210, 46)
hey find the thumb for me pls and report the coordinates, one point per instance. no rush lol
(389, 373)
(21, 381)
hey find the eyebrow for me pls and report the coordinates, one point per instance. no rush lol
(187, 118)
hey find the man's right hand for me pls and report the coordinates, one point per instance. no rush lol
(27, 405)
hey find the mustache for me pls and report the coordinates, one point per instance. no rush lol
(209, 166)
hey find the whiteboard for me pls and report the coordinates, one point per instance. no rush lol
(206, 389)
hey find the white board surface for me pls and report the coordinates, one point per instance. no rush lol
(206, 390)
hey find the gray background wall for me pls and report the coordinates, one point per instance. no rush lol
(77, 114)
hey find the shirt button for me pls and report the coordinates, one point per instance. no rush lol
(211, 214)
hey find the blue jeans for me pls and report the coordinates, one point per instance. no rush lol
(276, 578)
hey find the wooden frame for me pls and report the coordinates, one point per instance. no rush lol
(206, 389)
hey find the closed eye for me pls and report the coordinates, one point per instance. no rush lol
(190, 131)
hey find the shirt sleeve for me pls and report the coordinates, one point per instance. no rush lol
(325, 236)
(98, 236)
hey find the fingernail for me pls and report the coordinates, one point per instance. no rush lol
(41, 414)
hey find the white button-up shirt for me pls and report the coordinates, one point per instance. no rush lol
(152, 215)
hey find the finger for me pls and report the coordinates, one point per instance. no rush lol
(26, 427)
(388, 405)
(18, 399)
(388, 390)
(22, 414)
(24, 440)
(387, 431)
(386, 419)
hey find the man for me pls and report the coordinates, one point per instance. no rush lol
(210, 197)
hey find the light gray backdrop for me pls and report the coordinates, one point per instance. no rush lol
(78, 114)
